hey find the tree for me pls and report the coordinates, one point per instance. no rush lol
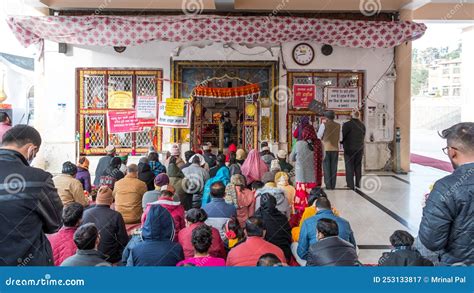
(419, 78)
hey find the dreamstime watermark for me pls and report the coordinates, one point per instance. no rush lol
(14, 183)
(192, 184)
(370, 7)
(102, 7)
(25, 261)
(454, 10)
(371, 183)
(277, 9)
(192, 7)
(44, 281)
(281, 95)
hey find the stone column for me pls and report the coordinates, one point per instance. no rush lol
(403, 96)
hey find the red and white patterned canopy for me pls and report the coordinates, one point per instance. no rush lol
(134, 30)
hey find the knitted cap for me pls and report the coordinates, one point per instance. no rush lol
(162, 179)
(69, 168)
(104, 196)
(174, 150)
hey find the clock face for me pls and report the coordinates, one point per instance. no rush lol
(303, 54)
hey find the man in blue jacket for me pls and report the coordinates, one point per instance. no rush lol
(448, 216)
(308, 229)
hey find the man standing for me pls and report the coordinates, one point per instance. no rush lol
(5, 124)
(29, 203)
(447, 224)
(103, 164)
(329, 134)
(353, 134)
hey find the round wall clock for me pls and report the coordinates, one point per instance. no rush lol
(303, 54)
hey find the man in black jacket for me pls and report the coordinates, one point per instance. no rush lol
(110, 223)
(103, 164)
(448, 216)
(330, 250)
(353, 134)
(29, 203)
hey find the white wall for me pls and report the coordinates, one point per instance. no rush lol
(56, 84)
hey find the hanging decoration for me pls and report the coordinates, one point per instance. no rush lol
(233, 92)
(110, 30)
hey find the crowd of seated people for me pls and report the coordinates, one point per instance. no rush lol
(137, 217)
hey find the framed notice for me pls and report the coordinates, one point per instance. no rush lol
(303, 94)
(146, 107)
(165, 120)
(338, 98)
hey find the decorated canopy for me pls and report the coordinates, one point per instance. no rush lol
(234, 92)
(108, 30)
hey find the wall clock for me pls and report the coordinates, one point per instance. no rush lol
(303, 54)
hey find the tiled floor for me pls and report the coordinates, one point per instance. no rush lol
(387, 202)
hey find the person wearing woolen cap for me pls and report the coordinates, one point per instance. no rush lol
(110, 223)
(69, 188)
(152, 195)
(175, 152)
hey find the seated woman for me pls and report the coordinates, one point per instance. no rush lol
(202, 240)
(194, 219)
(241, 197)
(234, 233)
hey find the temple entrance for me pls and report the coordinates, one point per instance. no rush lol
(242, 86)
(223, 116)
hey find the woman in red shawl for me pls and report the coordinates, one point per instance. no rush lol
(308, 156)
(254, 167)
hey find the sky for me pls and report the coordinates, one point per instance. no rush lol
(440, 35)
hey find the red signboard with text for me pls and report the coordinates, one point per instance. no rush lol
(122, 121)
(303, 94)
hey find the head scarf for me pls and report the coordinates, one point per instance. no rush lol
(84, 164)
(254, 167)
(240, 155)
(223, 175)
(309, 135)
(304, 121)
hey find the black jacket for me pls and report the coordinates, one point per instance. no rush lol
(102, 165)
(332, 251)
(113, 235)
(29, 208)
(447, 224)
(210, 159)
(404, 257)
(146, 175)
(278, 230)
(86, 258)
(353, 135)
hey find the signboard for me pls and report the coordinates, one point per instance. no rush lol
(122, 121)
(303, 94)
(174, 107)
(120, 100)
(342, 98)
(174, 121)
(146, 107)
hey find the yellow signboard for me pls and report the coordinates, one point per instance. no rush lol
(174, 107)
(120, 100)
